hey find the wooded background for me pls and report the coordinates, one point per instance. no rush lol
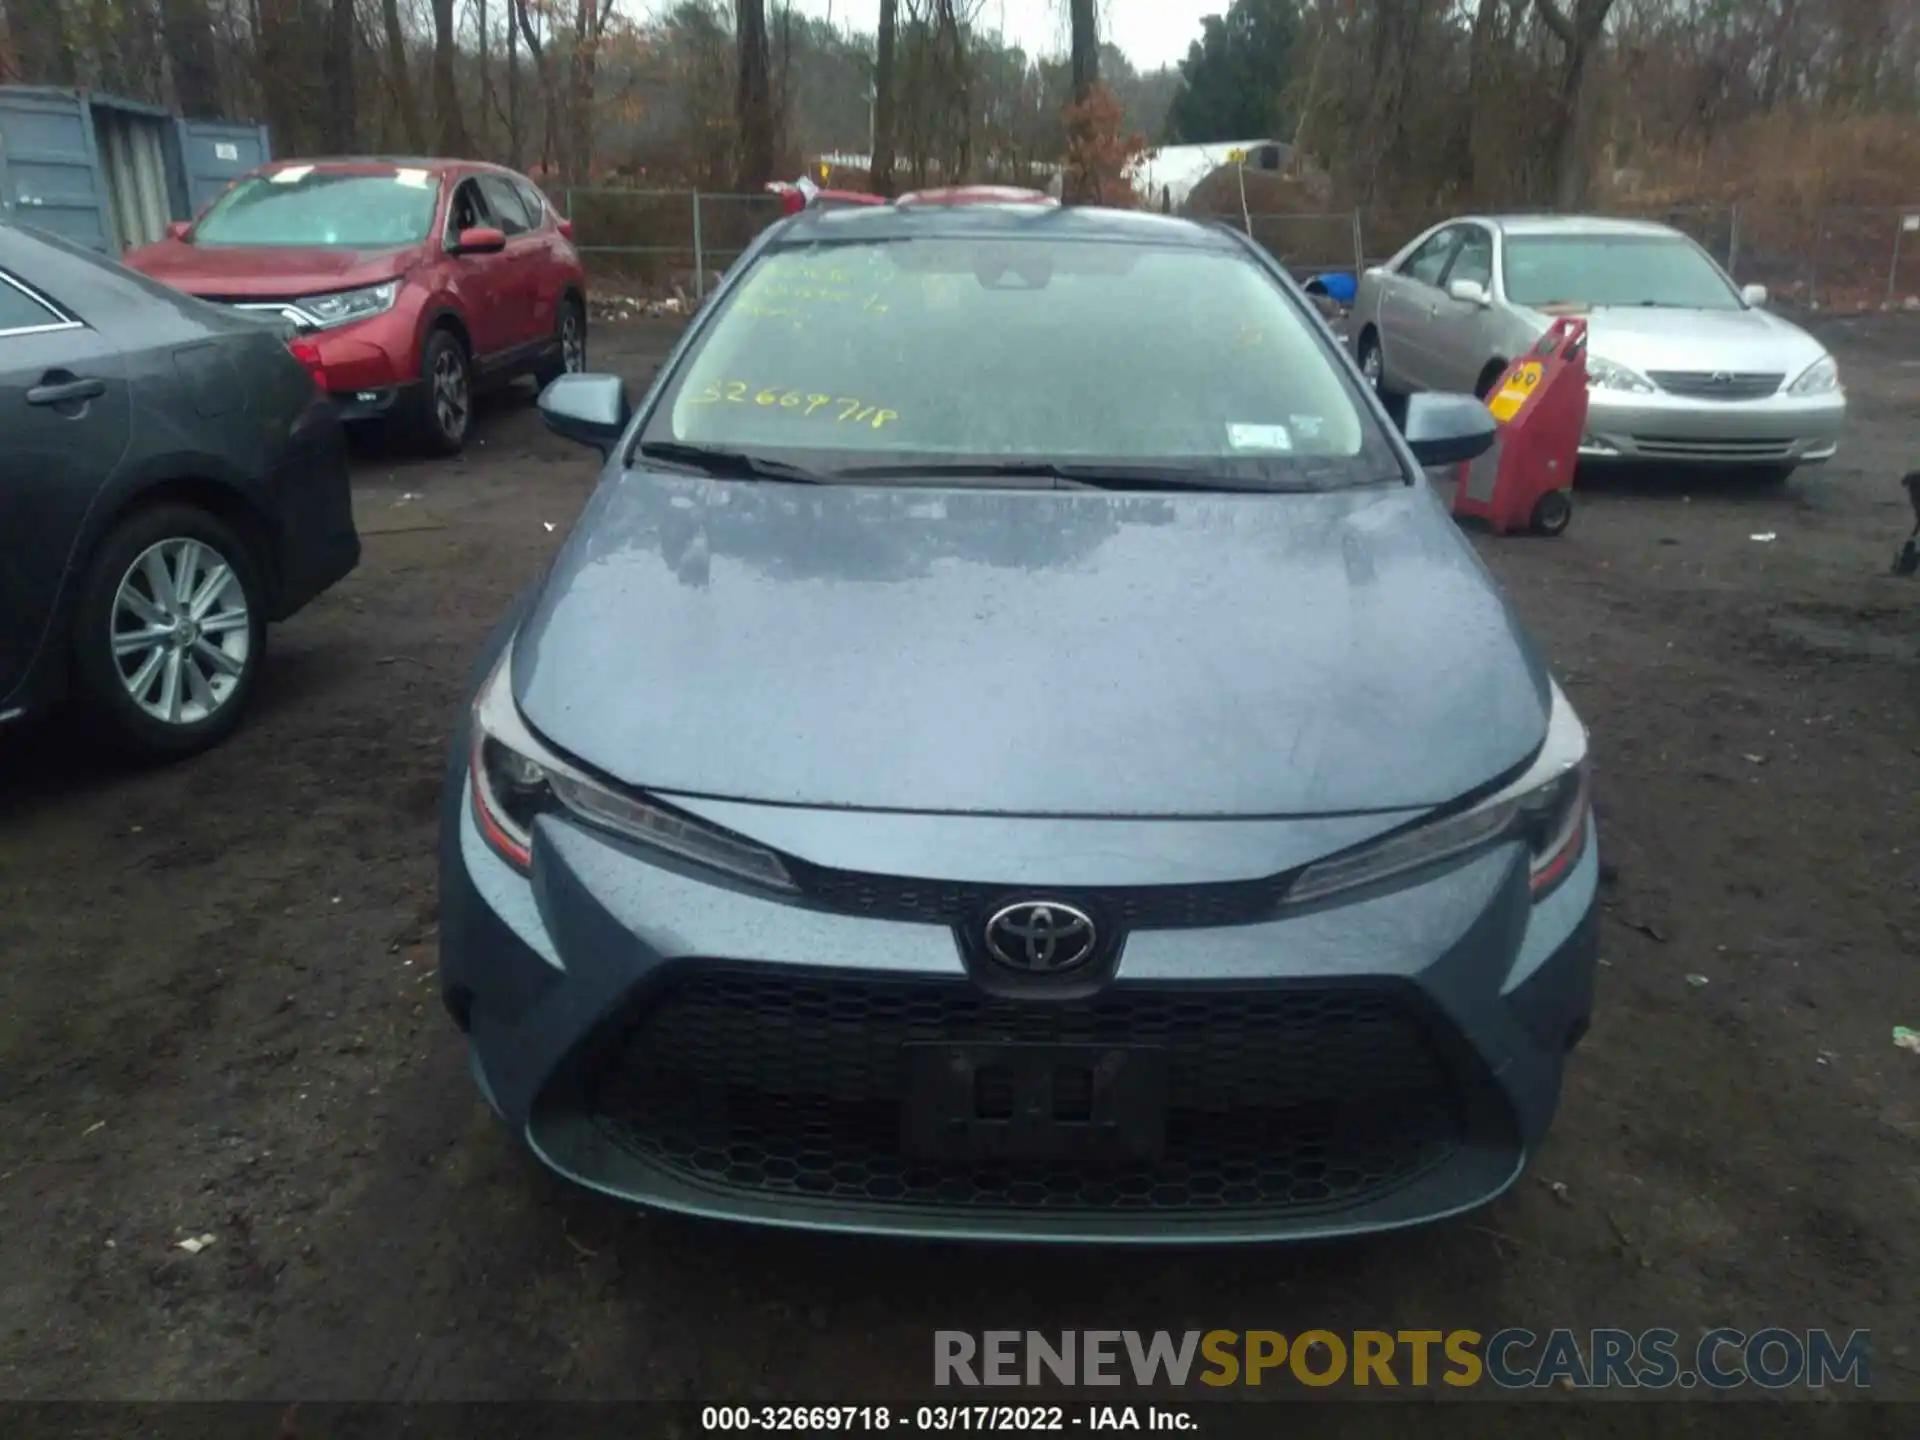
(1415, 104)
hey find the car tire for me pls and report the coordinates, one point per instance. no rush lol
(1373, 366)
(1552, 513)
(444, 413)
(166, 696)
(1373, 363)
(570, 344)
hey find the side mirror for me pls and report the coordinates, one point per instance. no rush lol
(480, 240)
(1448, 429)
(566, 229)
(179, 229)
(1469, 292)
(590, 409)
(1754, 294)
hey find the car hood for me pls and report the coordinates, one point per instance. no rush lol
(1660, 339)
(266, 272)
(1037, 653)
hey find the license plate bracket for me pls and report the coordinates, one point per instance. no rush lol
(1014, 1102)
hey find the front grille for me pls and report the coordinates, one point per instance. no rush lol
(1680, 448)
(1717, 384)
(1136, 907)
(1279, 1099)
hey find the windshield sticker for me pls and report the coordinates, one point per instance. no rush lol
(1260, 437)
(1307, 427)
(293, 175)
(845, 409)
(416, 178)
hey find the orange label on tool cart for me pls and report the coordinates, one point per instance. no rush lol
(1512, 395)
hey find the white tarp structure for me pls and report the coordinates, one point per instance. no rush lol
(1168, 175)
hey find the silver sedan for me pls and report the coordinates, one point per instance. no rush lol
(1683, 366)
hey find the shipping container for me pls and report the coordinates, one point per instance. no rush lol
(112, 173)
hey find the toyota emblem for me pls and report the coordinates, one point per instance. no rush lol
(1041, 937)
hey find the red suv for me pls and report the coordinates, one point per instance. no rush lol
(412, 281)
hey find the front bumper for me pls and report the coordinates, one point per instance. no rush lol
(1781, 429)
(375, 403)
(371, 354)
(674, 1042)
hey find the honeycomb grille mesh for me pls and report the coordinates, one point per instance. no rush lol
(1279, 1100)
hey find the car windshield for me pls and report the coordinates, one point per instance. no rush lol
(875, 357)
(354, 210)
(1596, 270)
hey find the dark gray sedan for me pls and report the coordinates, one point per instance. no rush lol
(1014, 748)
(171, 480)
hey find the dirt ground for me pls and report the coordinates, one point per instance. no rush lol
(218, 1012)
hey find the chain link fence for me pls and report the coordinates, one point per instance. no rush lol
(1810, 257)
(655, 241)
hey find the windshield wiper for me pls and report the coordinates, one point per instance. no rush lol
(1074, 476)
(729, 464)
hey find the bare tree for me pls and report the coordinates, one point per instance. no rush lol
(548, 98)
(884, 82)
(1481, 57)
(402, 82)
(100, 26)
(286, 41)
(1085, 48)
(41, 42)
(952, 74)
(1578, 34)
(512, 117)
(583, 68)
(488, 106)
(446, 93)
(753, 97)
(342, 115)
(187, 30)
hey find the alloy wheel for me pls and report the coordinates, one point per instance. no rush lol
(452, 403)
(181, 631)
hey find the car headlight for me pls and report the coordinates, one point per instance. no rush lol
(343, 307)
(1820, 378)
(513, 777)
(1547, 807)
(1603, 374)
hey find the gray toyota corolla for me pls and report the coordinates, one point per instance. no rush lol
(1013, 748)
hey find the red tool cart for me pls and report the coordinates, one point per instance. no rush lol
(1525, 482)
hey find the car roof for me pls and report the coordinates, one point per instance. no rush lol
(1573, 225)
(1019, 219)
(977, 195)
(432, 164)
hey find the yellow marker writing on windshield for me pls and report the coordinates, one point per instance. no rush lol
(852, 409)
